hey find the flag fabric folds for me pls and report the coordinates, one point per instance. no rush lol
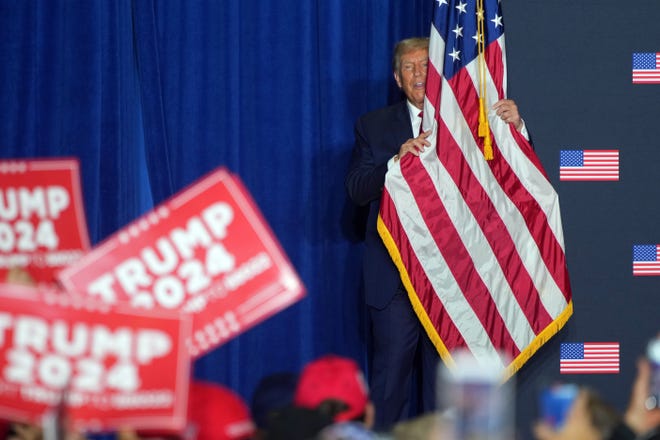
(478, 243)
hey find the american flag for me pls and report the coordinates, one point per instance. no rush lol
(479, 244)
(589, 357)
(589, 165)
(646, 259)
(646, 68)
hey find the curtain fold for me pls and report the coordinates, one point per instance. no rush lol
(150, 95)
(147, 60)
(68, 87)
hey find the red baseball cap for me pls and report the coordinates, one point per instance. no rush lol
(214, 413)
(217, 413)
(333, 377)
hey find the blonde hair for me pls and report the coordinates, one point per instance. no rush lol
(405, 46)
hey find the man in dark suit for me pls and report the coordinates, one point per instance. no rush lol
(383, 137)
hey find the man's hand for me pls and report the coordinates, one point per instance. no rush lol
(577, 425)
(414, 146)
(637, 416)
(507, 110)
(25, 431)
(18, 275)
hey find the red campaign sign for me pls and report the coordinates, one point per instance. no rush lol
(206, 251)
(42, 217)
(114, 367)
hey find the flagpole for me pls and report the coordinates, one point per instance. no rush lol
(484, 127)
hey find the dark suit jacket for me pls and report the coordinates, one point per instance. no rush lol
(378, 137)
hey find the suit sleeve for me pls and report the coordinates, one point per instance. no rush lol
(365, 178)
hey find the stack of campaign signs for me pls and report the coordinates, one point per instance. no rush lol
(108, 333)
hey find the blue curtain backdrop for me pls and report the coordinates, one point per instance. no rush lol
(152, 94)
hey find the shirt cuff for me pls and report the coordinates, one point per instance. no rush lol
(523, 130)
(391, 162)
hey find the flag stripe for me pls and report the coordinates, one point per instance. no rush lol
(494, 56)
(435, 311)
(519, 194)
(467, 262)
(458, 310)
(465, 280)
(496, 232)
(542, 318)
(501, 288)
(515, 190)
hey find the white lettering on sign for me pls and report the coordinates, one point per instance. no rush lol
(248, 270)
(149, 399)
(61, 354)
(166, 272)
(41, 395)
(59, 372)
(35, 393)
(7, 261)
(23, 202)
(38, 335)
(23, 236)
(213, 333)
(19, 230)
(62, 258)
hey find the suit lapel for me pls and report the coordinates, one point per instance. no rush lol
(403, 127)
